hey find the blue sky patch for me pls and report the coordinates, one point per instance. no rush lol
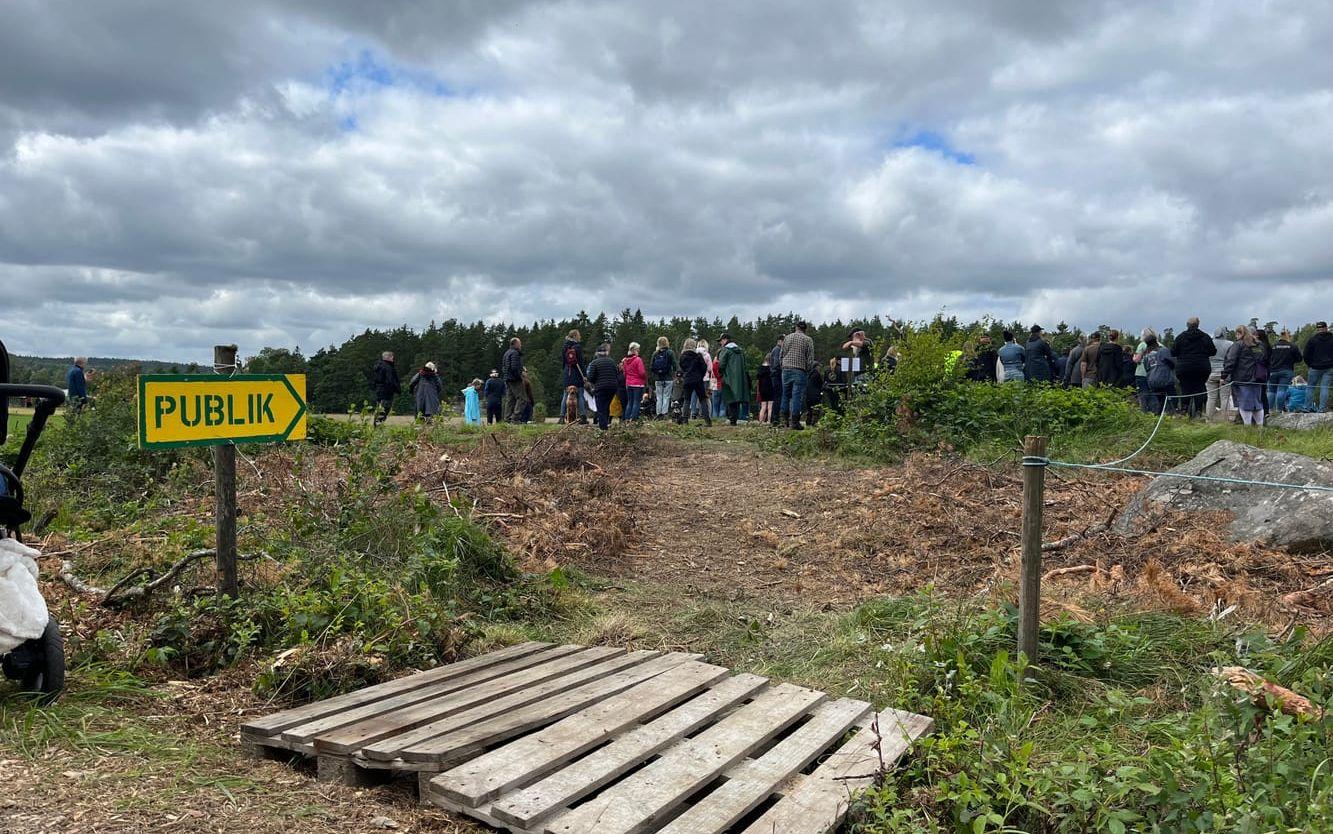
(369, 70)
(931, 141)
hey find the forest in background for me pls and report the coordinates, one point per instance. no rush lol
(338, 376)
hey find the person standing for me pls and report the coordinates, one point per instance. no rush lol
(1193, 351)
(982, 366)
(735, 378)
(710, 378)
(798, 359)
(764, 391)
(1111, 361)
(1281, 370)
(693, 372)
(76, 384)
(494, 392)
(1161, 375)
(1038, 358)
(511, 371)
(572, 358)
(1241, 369)
(426, 388)
(1072, 377)
(1319, 356)
(386, 385)
(775, 367)
(529, 401)
(1088, 359)
(472, 403)
(861, 358)
(664, 368)
(1218, 397)
(604, 376)
(1140, 372)
(1012, 359)
(636, 379)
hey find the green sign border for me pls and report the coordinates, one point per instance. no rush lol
(214, 379)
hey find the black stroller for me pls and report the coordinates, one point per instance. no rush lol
(38, 663)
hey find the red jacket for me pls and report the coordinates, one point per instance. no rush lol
(636, 376)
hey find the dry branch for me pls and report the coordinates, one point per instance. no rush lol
(1095, 529)
(1265, 692)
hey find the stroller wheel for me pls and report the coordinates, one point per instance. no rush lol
(47, 676)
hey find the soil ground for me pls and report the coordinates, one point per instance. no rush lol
(711, 518)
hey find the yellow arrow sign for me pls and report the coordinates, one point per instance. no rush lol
(208, 410)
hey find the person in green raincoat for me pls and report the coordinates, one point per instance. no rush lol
(735, 377)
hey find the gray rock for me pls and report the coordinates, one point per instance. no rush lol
(1299, 520)
(1300, 420)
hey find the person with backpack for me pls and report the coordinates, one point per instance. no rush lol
(386, 385)
(1243, 369)
(693, 372)
(1160, 374)
(511, 371)
(603, 377)
(494, 393)
(636, 379)
(427, 388)
(572, 369)
(663, 366)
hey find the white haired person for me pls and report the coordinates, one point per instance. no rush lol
(1241, 369)
(636, 379)
(384, 382)
(426, 387)
(76, 384)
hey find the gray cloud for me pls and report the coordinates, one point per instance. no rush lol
(293, 172)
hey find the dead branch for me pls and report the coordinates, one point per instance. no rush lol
(114, 599)
(1310, 597)
(1096, 529)
(75, 583)
(1263, 692)
(1051, 574)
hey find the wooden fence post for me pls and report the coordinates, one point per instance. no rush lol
(224, 490)
(1029, 587)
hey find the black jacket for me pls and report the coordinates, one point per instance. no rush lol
(1110, 364)
(603, 374)
(1284, 357)
(692, 368)
(493, 390)
(511, 366)
(1241, 363)
(384, 380)
(1192, 350)
(573, 372)
(1038, 360)
(982, 367)
(1319, 351)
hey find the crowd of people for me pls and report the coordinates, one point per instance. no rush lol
(1245, 371)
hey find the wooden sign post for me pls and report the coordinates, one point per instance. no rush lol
(1029, 582)
(221, 410)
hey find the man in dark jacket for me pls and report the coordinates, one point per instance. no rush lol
(1110, 361)
(1319, 356)
(982, 366)
(1193, 351)
(76, 384)
(604, 377)
(1281, 370)
(384, 382)
(511, 371)
(1038, 359)
(494, 391)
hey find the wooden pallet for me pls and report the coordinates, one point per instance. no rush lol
(568, 740)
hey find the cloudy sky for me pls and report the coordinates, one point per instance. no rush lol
(175, 174)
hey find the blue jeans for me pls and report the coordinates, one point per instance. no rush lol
(793, 392)
(1278, 382)
(635, 396)
(1319, 379)
(1145, 396)
(719, 405)
(664, 393)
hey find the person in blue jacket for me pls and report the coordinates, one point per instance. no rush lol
(76, 384)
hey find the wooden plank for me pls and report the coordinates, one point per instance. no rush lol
(270, 725)
(388, 746)
(467, 741)
(636, 801)
(526, 808)
(819, 803)
(501, 673)
(751, 782)
(527, 759)
(353, 737)
(481, 813)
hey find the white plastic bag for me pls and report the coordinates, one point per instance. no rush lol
(23, 612)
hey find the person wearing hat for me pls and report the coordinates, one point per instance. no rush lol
(735, 377)
(426, 388)
(1038, 358)
(798, 360)
(1318, 355)
(494, 392)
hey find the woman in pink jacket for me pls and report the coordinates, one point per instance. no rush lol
(636, 378)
